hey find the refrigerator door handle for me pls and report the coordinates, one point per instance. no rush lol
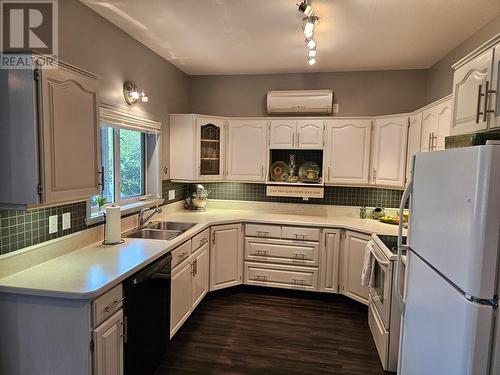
(404, 199)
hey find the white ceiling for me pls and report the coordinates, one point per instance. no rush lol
(264, 36)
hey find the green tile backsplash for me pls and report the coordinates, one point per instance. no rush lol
(19, 229)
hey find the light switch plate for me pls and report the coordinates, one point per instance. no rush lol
(52, 224)
(66, 220)
(335, 108)
(171, 195)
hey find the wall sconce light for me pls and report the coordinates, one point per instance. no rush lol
(133, 94)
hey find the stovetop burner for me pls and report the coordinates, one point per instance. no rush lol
(391, 242)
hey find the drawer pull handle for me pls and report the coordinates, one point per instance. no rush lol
(203, 241)
(300, 256)
(262, 233)
(299, 282)
(113, 305)
(260, 278)
(300, 235)
(182, 255)
(261, 252)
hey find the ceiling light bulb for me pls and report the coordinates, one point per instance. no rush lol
(311, 44)
(312, 61)
(135, 95)
(309, 27)
(306, 9)
(312, 53)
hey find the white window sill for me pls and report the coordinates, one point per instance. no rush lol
(125, 210)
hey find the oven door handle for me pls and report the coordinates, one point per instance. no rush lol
(405, 198)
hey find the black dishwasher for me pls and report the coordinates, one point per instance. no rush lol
(147, 314)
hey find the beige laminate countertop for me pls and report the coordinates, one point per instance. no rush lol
(90, 271)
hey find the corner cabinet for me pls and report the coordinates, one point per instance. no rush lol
(352, 258)
(197, 147)
(348, 151)
(436, 124)
(389, 151)
(304, 134)
(52, 116)
(226, 256)
(247, 150)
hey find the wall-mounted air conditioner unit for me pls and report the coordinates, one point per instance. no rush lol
(300, 101)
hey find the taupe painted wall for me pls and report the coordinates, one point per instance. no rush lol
(357, 93)
(440, 75)
(90, 42)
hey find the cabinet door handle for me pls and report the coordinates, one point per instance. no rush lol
(328, 179)
(293, 140)
(487, 93)
(165, 170)
(113, 305)
(261, 171)
(298, 140)
(374, 174)
(478, 108)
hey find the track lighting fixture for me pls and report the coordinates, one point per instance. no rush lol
(305, 8)
(309, 22)
(310, 43)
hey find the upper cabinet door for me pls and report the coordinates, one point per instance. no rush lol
(70, 135)
(310, 134)
(469, 86)
(389, 151)
(443, 124)
(414, 139)
(247, 150)
(348, 151)
(283, 134)
(210, 148)
(429, 126)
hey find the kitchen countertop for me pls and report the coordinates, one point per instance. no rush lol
(90, 271)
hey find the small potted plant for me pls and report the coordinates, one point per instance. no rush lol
(100, 201)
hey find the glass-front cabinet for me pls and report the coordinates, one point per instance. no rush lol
(210, 148)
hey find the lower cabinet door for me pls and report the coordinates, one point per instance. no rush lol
(200, 275)
(330, 259)
(353, 253)
(108, 346)
(181, 299)
(226, 256)
(280, 276)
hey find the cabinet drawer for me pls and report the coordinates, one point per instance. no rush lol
(297, 233)
(289, 277)
(106, 305)
(282, 251)
(379, 333)
(200, 239)
(257, 230)
(180, 253)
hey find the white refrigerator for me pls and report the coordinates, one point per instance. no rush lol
(450, 323)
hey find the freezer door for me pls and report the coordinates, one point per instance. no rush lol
(455, 215)
(443, 333)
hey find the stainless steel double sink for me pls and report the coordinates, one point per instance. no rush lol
(162, 230)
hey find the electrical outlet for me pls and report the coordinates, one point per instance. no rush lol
(52, 224)
(171, 195)
(335, 108)
(66, 220)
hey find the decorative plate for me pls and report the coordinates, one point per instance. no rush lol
(309, 172)
(279, 171)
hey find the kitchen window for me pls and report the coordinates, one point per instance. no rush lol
(130, 162)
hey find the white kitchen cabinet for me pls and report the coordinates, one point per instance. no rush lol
(108, 346)
(469, 85)
(436, 124)
(281, 276)
(181, 296)
(282, 134)
(352, 256)
(389, 151)
(330, 258)
(414, 140)
(310, 134)
(348, 151)
(226, 256)
(51, 116)
(197, 147)
(296, 134)
(247, 150)
(201, 269)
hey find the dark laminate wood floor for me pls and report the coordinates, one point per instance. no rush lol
(257, 331)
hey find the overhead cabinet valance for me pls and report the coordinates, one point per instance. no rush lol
(112, 116)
